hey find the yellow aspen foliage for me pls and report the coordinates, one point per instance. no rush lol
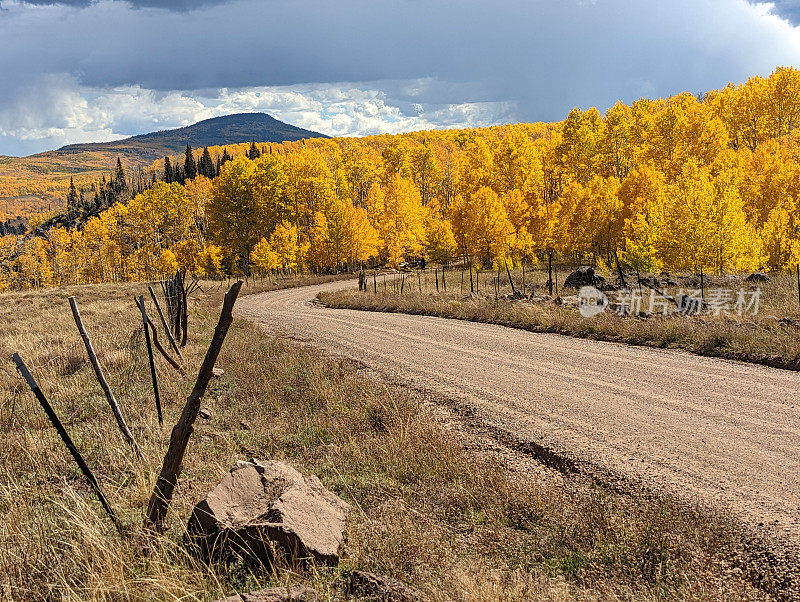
(209, 260)
(284, 243)
(671, 183)
(481, 227)
(440, 243)
(263, 259)
(167, 263)
(400, 218)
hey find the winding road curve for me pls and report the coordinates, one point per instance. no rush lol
(720, 432)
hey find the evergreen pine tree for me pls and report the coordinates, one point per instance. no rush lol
(206, 167)
(169, 176)
(120, 181)
(253, 153)
(189, 165)
(72, 199)
(225, 157)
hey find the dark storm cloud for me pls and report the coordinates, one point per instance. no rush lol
(788, 9)
(541, 56)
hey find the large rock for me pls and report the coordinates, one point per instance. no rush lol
(296, 593)
(259, 506)
(757, 277)
(583, 276)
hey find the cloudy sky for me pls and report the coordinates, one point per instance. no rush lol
(95, 70)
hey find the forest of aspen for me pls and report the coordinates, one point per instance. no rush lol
(671, 184)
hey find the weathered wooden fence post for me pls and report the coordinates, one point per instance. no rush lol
(702, 285)
(98, 371)
(145, 324)
(173, 343)
(179, 439)
(51, 415)
(157, 344)
(510, 280)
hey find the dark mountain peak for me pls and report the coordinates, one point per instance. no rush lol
(227, 129)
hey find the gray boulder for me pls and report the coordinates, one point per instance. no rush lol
(757, 277)
(584, 276)
(260, 507)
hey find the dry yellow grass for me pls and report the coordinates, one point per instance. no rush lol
(456, 524)
(771, 337)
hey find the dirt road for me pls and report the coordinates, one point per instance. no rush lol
(722, 432)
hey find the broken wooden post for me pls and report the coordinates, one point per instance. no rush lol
(511, 281)
(98, 371)
(179, 439)
(375, 281)
(550, 273)
(173, 343)
(436, 274)
(157, 344)
(444, 283)
(145, 324)
(419, 282)
(51, 415)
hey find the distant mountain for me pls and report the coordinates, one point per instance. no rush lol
(229, 129)
(35, 184)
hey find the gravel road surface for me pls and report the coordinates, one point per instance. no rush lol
(720, 432)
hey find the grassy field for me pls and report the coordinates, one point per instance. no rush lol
(770, 337)
(452, 518)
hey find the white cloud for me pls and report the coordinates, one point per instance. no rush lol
(69, 113)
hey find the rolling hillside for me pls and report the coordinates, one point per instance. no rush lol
(32, 185)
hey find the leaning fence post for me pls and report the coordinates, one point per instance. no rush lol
(179, 439)
(510, 280)
(171, 339)
(51, 415)
(157, 344)
(98, 371)
(145, 325)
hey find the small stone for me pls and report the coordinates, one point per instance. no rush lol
(217, 372)
(370, 586)
(205, 414)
